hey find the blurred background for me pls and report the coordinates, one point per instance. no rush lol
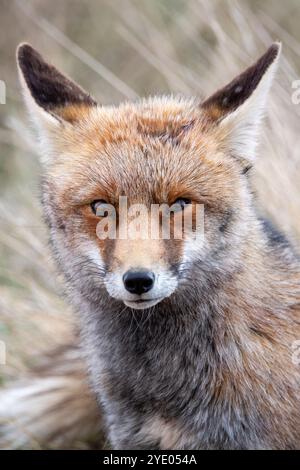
(117, 50)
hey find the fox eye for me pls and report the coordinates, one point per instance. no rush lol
(181, 203)
(99, 207)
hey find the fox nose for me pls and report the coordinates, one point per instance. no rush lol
(138, 282)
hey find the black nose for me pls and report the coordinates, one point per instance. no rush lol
(138, 282)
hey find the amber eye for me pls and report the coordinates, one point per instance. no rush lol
(181, 203)
(100, 207)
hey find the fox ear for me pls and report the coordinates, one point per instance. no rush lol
(51, 97)
(237, 109)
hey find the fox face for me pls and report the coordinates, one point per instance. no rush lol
(172, 160)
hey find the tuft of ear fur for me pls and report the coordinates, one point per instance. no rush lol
(239, 107)
(49, 94)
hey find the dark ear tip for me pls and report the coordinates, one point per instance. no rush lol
(23, 50)
(274, 50)
(25, 54)
(48, 87)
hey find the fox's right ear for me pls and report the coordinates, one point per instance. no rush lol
(52, 98)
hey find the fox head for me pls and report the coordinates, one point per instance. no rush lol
(178, 152)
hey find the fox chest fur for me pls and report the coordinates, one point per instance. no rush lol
(198, 383)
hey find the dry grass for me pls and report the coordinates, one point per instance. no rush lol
(119, 50)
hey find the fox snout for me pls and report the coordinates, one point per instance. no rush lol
(141, 288)
(138, 282)
(139, 273)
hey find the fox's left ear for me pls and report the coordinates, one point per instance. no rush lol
(237, 108)
(51, 97)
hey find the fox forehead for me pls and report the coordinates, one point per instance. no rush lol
(153, 144)
(166, 119)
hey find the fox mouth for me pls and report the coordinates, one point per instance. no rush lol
(141, 304)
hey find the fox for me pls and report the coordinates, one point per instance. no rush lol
(188, 343)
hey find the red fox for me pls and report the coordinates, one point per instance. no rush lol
(188, 342)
